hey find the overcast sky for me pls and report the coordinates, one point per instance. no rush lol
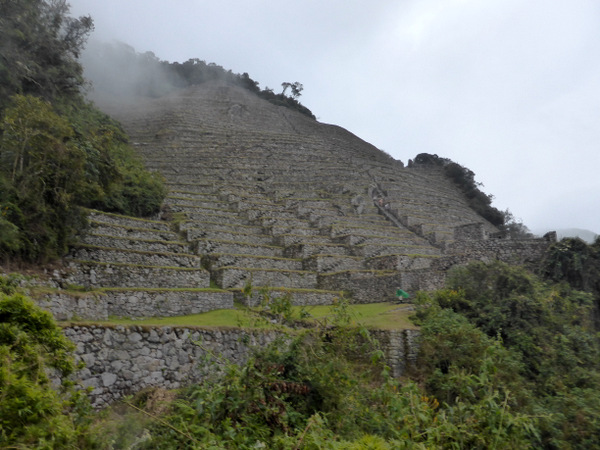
(508, 88)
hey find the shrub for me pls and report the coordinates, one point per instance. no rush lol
(32, 413)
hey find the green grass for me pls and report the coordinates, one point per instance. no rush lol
(384, 316)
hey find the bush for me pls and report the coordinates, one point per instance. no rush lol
(32, 413)
(53, 164)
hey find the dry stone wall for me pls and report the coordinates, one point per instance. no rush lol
(65, 306)
(94, 275)
(121, 360)
(165, 303)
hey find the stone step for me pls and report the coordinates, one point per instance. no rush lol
(211, 198)
(194, 188)
(96, 274)
(259, 215)
(332, 263)
(341, 221)
(373, 250)
(220, 218)
(139, 303)
(238, 277)
(215, 261)
(198, 212)
(129, 243)
(185, 204)
(257, 239)
(281, 222)
(260, 204)
(107, 229)
(354, 240)
(127, 221)
(92, 253)
(193, 228)
(291, 229)
(285, 240)
(401, 262)
(303, 251)
(208, 246)
(341, 230)
(329, 211)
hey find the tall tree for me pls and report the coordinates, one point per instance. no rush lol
(39, 47)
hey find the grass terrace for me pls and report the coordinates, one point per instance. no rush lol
(381, 316)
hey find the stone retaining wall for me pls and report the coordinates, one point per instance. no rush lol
(91, 253)
(237, 277)
(123, 360)
(120, 360)
(96, 275)
(126, 243)
(367, 287)
(298, 298)
(518, 251)
(68, 307)
(400, 348)
(164, 303)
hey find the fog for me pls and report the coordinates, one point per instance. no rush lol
(509, 89)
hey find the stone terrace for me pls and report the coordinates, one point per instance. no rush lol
(261, 195)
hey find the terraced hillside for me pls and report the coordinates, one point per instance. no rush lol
(262, 195)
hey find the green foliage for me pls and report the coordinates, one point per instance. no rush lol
(40, 44)
(575, 262)
(53, 164)
(57, 153)
(33, 414)
(327, 388)
(41, 169)
(545, 350)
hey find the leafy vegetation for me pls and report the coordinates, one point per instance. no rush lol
(57, 153)
(40, 44)
(575, 262)
(327, 387)
(542, 335)
(33, 413)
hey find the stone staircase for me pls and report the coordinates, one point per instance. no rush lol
(141, 269)
(262, 196)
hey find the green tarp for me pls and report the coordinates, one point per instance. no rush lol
(401, 293)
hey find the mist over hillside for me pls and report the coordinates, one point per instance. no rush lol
(115, 71)
(586, 235)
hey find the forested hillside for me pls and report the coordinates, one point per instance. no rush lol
(57, 152)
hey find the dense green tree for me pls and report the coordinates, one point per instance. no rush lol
(42, 171)
(576, 262)
(34, 413)
(57, 153)
(552, 367)
(39, 47)
(53, 164)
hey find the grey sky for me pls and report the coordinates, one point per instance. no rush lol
(508, 88)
